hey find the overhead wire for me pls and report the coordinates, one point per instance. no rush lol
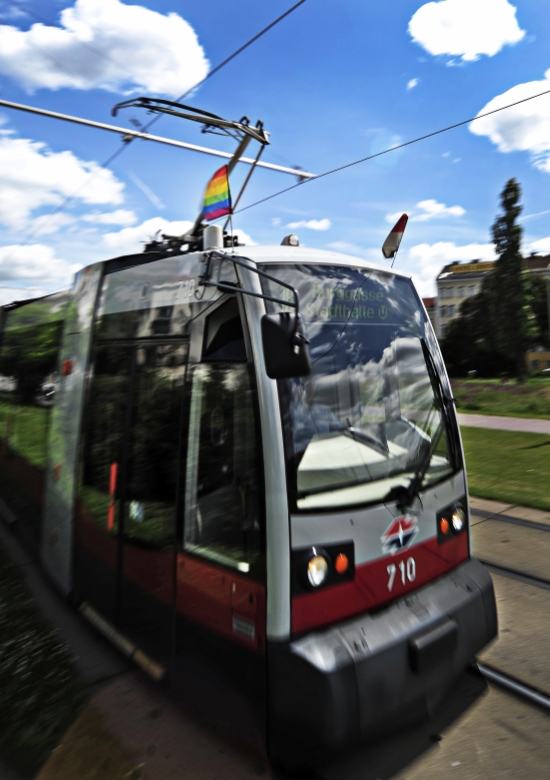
(62, 206)
(232, 57)
(391, 149)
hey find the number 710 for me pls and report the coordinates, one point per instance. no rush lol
(406, 569)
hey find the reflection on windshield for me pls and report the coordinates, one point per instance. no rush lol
(362, 424)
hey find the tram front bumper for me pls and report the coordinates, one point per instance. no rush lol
(362, 677)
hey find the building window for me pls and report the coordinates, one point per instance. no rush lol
(461, 292)
(535, 365)
(443, 311)
(450, 311)
(472, 289)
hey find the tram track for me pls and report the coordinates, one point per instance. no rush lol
(511, 519)
(498, 561)
(516, 574)
(514, 685)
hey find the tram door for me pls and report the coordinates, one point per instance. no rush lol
(129, 488)
(221, 562)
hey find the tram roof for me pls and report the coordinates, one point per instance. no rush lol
(300, 254)
(277, 253)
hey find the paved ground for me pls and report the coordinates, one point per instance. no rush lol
(131, 728)
(504, 423)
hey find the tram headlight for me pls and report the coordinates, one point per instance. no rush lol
(317, 570)
(458, 519)
(451, 521)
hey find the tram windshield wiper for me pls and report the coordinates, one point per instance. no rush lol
(373, 437)
(442, 402)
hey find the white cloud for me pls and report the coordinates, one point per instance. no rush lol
(12, 12)
(428, 209)
(8, 294)
(465, 28)
(432, 209)
(393, 217)
(34, 262)
(425, 261)
(33, 177)
(50, 223)
(412, 83)
(276, 221)
(444, 252)
(105, 44)
(540, 245)
(117, 217)
(522, 128)
(244, 238)
(131, 239)
(311, 224)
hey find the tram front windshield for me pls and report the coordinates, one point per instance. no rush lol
(369, 418)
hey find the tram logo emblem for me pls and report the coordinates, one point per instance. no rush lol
(399, 534)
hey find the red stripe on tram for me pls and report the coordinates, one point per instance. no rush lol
(371, 586)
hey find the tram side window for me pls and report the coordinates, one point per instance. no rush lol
(103, 438)
(223, 334)
(130, 455)
(222, 496)
(153, 445)
(28, 361)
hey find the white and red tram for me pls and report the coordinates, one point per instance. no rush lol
(201, 486)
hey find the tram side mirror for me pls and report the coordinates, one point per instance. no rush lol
(285, 346)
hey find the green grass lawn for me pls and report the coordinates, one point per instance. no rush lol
(25, 428)
(489, 396)
(508, 466)
(41, 693)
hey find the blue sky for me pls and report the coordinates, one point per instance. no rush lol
(333, 82)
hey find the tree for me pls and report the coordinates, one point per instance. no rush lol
(507, 293)
(470, 344)
(538, 330)
(30, 344)
(509, 315)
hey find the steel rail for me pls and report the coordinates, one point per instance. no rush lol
(129, 134)
(513, 685)
(511, 519)
(515, 574)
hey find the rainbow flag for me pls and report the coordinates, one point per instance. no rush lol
(217, 198)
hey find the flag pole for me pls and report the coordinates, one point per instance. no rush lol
(230, 165)
(248, 175)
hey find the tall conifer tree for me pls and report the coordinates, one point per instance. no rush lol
(507, 294)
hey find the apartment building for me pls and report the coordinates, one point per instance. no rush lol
(431, 306)
(458, 281)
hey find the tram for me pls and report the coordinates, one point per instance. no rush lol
(252, 457)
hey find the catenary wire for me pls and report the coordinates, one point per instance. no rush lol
(99, 53)
(121, 148)
(392, 149)
(231, 57)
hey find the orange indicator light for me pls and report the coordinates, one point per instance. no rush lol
(444, 525)
(341, 563)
